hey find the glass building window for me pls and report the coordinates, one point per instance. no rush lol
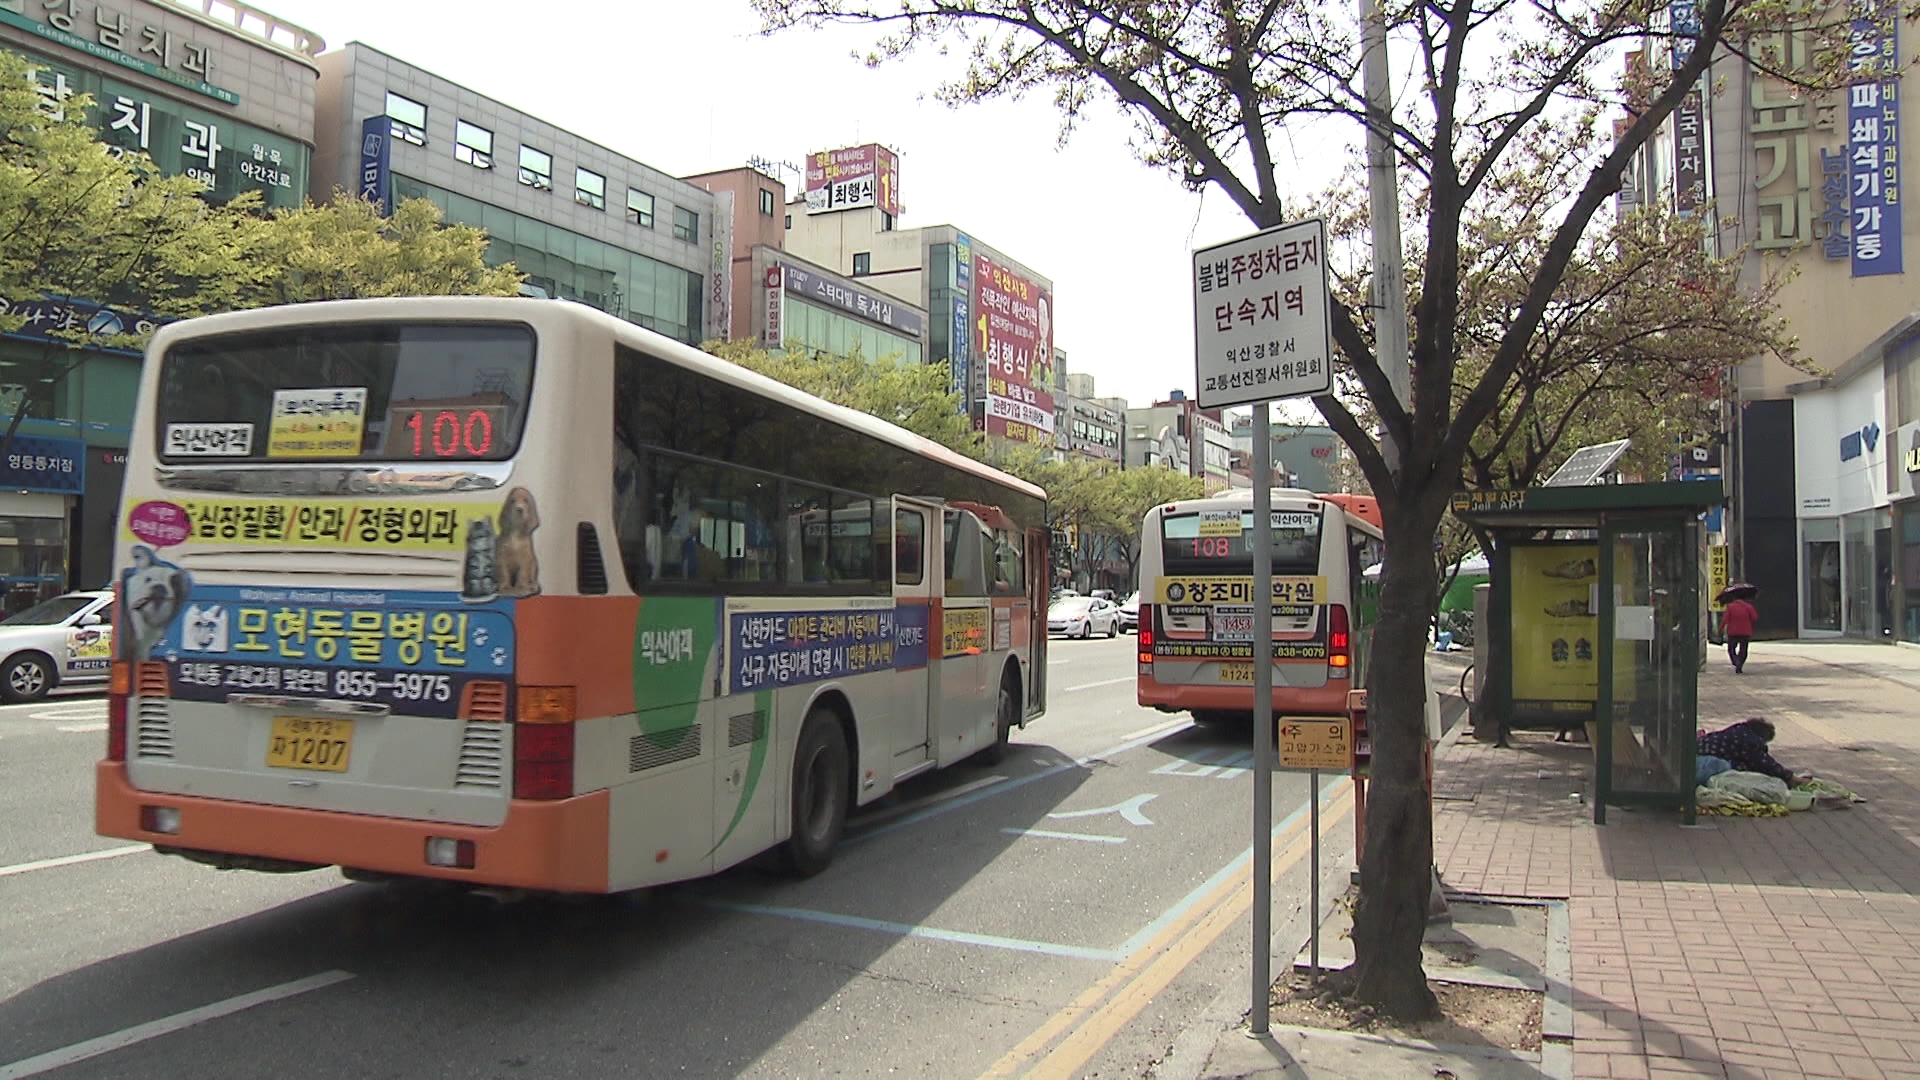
(472, 144)
(766, 202)
(640, 208)
(886, 221)
(536, 168)
(589, 188)
(407, 119)
(686, 225)
(568, 265)
(862, 263)
(1821, 572)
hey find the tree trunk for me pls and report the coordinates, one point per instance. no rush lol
(1395, 868)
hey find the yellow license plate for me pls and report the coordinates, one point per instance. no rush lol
(1236, 673)
(304, 742)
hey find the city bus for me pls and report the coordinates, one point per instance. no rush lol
(1195, 646)
(515, 593)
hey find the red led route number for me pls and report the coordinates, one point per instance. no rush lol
(446, 433)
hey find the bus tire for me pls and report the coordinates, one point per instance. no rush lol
(26, 677)
(819, 794)
(1006, 715)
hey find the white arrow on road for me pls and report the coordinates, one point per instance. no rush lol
(1130, 810)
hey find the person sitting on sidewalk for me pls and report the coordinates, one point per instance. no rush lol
(1744, 746)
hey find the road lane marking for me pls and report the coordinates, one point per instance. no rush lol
(85, 710)
(961, 937)
(1102, 682)
(70, 860)
(1132, 811)
(1149, 967)
(1167, 726)
(1051, 835)
(891, 812)
(1000, 789)
(166, 1025)
(81, 729)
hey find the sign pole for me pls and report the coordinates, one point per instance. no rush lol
(1313, 875)
(1263, 730)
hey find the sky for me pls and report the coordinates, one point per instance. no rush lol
(692, 87)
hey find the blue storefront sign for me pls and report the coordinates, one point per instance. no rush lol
(48, 465)
(57, 318)
(959, 362)
(376, 162)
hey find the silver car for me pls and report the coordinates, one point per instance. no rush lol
(1083, 617)
(65, 641)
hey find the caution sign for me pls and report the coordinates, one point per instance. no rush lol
(1316, 742)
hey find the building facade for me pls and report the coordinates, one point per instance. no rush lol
(222, 93)
(1178, 434)
(579, 220)
(990, 317)
(759, 205)
(1084, 425)
(807, 306)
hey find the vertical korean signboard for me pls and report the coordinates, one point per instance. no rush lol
(852, 178)
(1873, 140)
(775, 301)
(1014, 322)
(720, 269)
(961, 360)
(375, 159)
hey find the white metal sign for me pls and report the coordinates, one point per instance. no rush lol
(1261, 330)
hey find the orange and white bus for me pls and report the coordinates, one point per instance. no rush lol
(516, 593)
(1195, 648)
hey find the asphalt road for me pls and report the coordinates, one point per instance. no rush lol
(1068, 913)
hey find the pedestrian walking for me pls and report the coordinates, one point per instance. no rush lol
(1738, 621)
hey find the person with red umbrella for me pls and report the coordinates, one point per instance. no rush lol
(1738, 621)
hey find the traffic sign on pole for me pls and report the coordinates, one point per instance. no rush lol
(1261, 332)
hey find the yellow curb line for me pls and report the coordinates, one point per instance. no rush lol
(1141, 976)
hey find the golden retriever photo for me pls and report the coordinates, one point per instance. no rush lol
(518, 569)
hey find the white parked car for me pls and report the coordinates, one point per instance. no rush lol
(1083, 617)
(1130, 613)
(64, 641)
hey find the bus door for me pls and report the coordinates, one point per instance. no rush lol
(964, 679)
(917, 573)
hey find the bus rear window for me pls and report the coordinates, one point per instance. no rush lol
(1208, 544)
(354, 392)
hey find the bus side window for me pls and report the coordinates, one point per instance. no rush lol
(909, 532)
(966, 555)
(1009, 566)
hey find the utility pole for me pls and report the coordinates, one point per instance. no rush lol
(1383, 198)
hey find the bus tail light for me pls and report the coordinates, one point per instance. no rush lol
(545, 705)
(119, 685)
(1339, 642)
(1143, 631)
(542, 761)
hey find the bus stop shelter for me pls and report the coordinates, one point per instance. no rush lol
(1597, 592)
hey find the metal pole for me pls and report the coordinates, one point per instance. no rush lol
(1383, 200)
(1313, 874)
(1263, 746)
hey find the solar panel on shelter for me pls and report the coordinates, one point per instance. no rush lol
(1588, 465)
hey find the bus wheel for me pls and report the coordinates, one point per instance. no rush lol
(1006, 715)
(819, 794)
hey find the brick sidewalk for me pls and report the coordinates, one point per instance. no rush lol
(1751, 949)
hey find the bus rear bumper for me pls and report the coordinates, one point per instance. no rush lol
(1328, 700)
(558, 846)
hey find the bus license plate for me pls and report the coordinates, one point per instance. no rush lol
(1236, 673)
(305, 742)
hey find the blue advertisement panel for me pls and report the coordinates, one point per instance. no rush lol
(36, 463)
(961, 362)
(785, 648)
(412, 651)
(1873, 141)
(376, 162)
(910, 622)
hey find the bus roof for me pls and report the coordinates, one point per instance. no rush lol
(534, 311)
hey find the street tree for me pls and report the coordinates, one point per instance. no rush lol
(1211, 87)
(918, 397)
(346, 249)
